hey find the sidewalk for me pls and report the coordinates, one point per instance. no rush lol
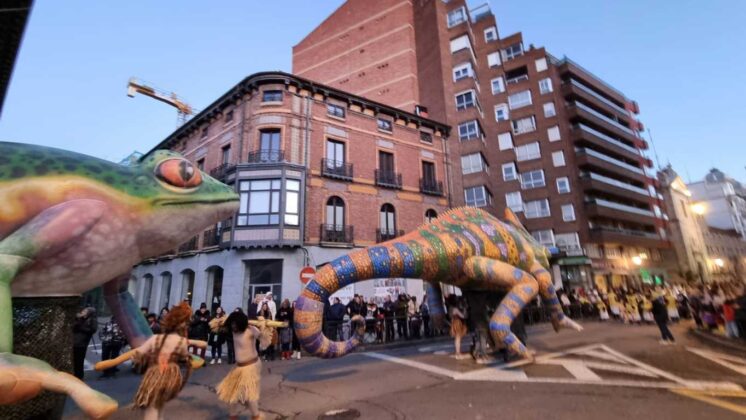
(728, 344)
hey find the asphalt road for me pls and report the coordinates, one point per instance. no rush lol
(608, 371)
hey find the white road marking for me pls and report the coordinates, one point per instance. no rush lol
(731, 362)
(582, 370)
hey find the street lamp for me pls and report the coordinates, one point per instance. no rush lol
(719, 262)
(637, 260)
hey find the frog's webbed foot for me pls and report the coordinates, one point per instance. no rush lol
(22, 378)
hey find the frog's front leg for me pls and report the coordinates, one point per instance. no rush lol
(125, 310)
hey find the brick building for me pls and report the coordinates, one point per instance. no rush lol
(319, 171)
(538, 134)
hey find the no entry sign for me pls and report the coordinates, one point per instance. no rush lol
(306, 274)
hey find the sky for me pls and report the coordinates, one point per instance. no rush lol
(682, 61)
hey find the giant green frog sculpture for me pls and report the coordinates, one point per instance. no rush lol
(71, 222)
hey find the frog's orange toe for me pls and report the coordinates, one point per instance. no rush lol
(14, 390)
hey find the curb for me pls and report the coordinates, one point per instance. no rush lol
(403, 343)
(711, 339)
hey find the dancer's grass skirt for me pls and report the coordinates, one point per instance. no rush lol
(157, 388)
(241, 385)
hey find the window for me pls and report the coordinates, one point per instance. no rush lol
(204, 132)
(472, 163)
(469, 130)
(509, 172)
(477, 196)
(493, 59)
(335, 110)
(517, 75)
(569, 243)
(430, 215)
(524, 125)
(292, 202)
(387, 220)
(201, 164)
(385, 125)
(269, 145)
(490, 34)
(514, 201)
(683, 208)
(541, 65)
(549, 110)
(226, 155)
(536, 209)
(498, 85)
(532, 179)
(563, 185)
(513, 51)
(229, 116)
(558, 158)
(553, 133)
(460, 43)
(462, 71)
(465, 100)
(501, 112)
(272, 96)
(456, 16)
(426, 137)
(335, 214)
(428, 174)
(505, 141)
(520, 99)
(335, 158)
(386, 163)
(260, 202)
(568, 213)
(544, 237)
(545, 85)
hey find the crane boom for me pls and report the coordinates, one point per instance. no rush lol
(138, 86)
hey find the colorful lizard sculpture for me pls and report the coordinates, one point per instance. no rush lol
(69, 223)
(465, 247)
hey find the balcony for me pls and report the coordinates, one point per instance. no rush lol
(336, 169)
(626, 237)
(608, 209)
(588, 157)
(576, 89)
(595, 182)
(480, 12)
(188, 246)
(383, 235)
(431, 187)
(211, 238)
(568, 66)
(584, 133)
(220, 172)
(337, 234)
(388, 179)
(579, 111)
(266, 156)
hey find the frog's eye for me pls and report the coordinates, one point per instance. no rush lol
(179, 173)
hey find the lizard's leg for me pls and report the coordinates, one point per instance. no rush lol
(549, 297)
(522, 288)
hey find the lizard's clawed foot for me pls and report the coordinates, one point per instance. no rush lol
(565, 322)
(22, 378)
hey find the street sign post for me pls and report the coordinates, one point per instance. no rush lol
(306, 274)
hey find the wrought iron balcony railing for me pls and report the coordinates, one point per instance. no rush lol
(337, 233)
(220, 172)
(211, 238)
(188, 246)
(431, 186)
(388, 179)
(383, 235)
(266, 156)
(336, 169)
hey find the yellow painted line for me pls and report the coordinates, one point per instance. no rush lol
(709, 397)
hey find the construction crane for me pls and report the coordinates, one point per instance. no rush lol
(139, 86)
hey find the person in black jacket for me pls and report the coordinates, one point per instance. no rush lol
(200, 328)
(335, 317)
(400, 310)
(660, 314)
(83, 328)
(388, 316)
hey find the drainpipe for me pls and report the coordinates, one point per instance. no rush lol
(241, 130)
(307, 164)
(447, 167)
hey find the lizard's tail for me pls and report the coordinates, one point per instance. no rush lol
(310, 306)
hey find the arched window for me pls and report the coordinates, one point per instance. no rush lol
(147, 291)
(335, 213)
(214, 287)
(387, 222)
(430, 215)
(165, 291)
(187, 285)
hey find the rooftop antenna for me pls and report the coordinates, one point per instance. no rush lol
(655, 152)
